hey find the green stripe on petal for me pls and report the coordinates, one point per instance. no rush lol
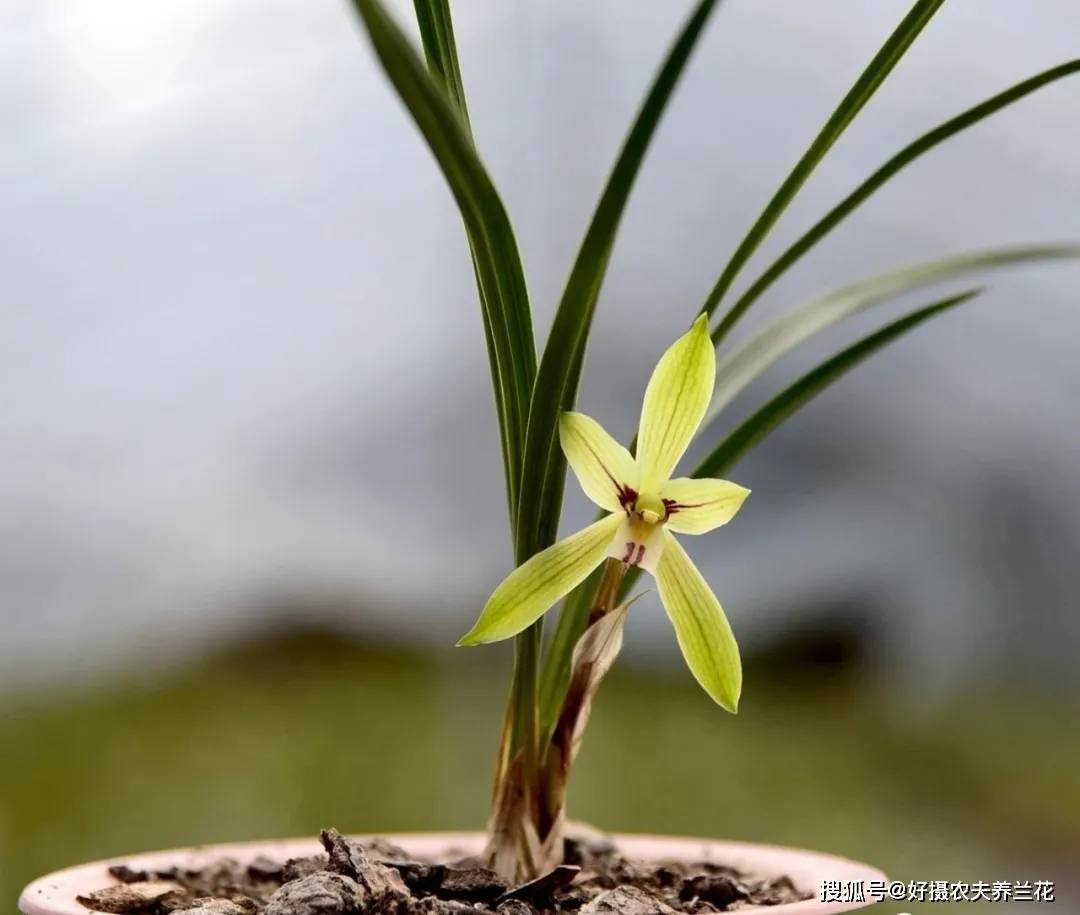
(604, 468)
(699, 506)
(703, 632)
(675, 401)
(536, 585)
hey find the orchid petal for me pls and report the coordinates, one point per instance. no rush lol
(536, 585)
(675, 402)
(604, 468)
(704, 635)
(699, 506)
(638, 543)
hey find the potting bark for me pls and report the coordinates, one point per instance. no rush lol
(378, 878)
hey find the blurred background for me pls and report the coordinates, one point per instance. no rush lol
(250, 489)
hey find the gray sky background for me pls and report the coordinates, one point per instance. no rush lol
(241, 358)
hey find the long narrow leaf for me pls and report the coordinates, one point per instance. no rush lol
(503, 295)
(901, 160)
(518, 747)
(440, 49)
(852, 103)
(761, 423)
(560, 366)
(741, 366)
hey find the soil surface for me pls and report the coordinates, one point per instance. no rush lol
(378, 878)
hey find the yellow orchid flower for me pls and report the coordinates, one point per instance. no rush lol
(646, 507)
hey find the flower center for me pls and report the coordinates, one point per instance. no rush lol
(650, 509)
(640, 538)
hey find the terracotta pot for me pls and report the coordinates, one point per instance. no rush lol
(55, 894)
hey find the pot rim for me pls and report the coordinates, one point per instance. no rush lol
(55, 893)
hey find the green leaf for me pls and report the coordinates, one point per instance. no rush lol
(905, 157)
(761, 423)
(440, 49)
(741, 366)
(557, 379)
(503, 295)
(852, 103)
(521, 726)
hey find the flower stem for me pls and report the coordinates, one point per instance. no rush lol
(607, 592)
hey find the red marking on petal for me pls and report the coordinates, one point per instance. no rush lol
(626, 495)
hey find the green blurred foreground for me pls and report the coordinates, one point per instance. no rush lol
(310, 732)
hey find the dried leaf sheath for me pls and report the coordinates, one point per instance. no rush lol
(594, 655)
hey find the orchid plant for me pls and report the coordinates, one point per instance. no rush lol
(643, 506)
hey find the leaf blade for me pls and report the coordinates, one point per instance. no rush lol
(517, 753)
(868, 82)
(440, 49)
(740, 367)
(500, 276)
(894, 165)
(803, 390)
